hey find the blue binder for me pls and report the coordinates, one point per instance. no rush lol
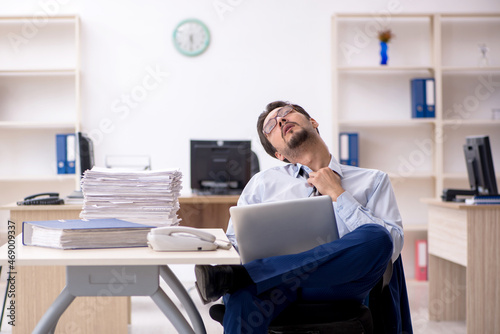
(61, 153)
(418, 106)
(70, 153)
(348, 148)
(423, 98)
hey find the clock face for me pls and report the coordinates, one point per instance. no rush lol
(191, 37)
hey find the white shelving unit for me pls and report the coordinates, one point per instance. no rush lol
(422, 156)
(39, 98)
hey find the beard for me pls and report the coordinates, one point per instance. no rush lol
(292, 148)
(298, 139)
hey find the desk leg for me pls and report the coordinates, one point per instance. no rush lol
(48, 322)
(181, 293)
(171, 312)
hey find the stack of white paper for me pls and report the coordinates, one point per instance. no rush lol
(148, 197)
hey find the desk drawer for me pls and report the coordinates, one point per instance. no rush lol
(447, 234)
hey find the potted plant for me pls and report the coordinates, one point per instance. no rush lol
(384, 36)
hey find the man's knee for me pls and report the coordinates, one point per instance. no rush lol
(379, 236)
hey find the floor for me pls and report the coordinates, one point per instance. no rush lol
(148, 319)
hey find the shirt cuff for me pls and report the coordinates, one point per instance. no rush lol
(346, 208)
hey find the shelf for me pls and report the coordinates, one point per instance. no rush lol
(39, 178)
(473, 69)
(50, 18)
(414, 227)
(37, 125)
(459, 121)
(32, 72)
(387, 68)
(387, 123)
(40, 81)
(413, 176)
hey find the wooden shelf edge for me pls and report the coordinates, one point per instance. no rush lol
(48, 178)
(383, 68)
(36, 125)
(388, 123)
(414, 227)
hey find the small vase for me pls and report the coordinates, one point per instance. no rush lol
(383, 53)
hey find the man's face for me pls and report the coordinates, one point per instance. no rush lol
(290, 131)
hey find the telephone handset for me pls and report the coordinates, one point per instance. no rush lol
(183, 238)
(42, 199)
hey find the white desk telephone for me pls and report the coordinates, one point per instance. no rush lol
(183, 238)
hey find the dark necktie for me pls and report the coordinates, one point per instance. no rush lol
(305, 174)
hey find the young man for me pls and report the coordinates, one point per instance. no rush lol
(367, 215)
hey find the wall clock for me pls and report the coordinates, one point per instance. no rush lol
(191, 37)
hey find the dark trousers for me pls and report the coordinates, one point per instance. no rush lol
(342, 269)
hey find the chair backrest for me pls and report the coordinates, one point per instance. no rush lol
(389, 304)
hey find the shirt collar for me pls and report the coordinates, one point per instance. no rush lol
(334, 165)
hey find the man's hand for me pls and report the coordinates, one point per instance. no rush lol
(327, 182)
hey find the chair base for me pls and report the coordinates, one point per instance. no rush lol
(341, 317)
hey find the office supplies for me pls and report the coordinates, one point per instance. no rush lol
(150, 197)
(77, 233)
(417, 98)
(348, 148)
(423, 97)
(284, 227)
(70, 153)
(61, 153)
(421, 260)
(42, 199)
(483, 200)
(430, 98)
(183, 238)
(423, 101)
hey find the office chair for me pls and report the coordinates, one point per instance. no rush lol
(347, 317)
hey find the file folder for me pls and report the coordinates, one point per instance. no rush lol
(61, 153)
(70, 153)
(348, 148)
(421, 260)
(418, 106)
(430, 98)
(423, 98)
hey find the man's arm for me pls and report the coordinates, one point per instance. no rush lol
(381, 209)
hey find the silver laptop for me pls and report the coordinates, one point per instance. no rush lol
(284, 227)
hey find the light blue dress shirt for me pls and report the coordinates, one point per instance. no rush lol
(368, 197)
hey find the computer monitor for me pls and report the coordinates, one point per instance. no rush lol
(85, 159)
(220, 166)
(85, 153)
(480, 167)
(480, 170)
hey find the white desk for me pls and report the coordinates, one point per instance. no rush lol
(119, 272)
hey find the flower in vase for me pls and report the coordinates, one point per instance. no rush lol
(385, 35)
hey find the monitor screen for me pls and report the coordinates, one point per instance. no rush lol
(85, 153)
(220, 167)
(480, 167)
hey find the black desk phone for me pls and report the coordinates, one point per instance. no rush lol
(42, 199)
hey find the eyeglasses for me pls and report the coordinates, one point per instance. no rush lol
(282, 112)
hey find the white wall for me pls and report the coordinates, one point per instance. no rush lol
(260, 51)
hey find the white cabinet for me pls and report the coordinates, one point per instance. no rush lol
(39, 97)
(422, 156)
